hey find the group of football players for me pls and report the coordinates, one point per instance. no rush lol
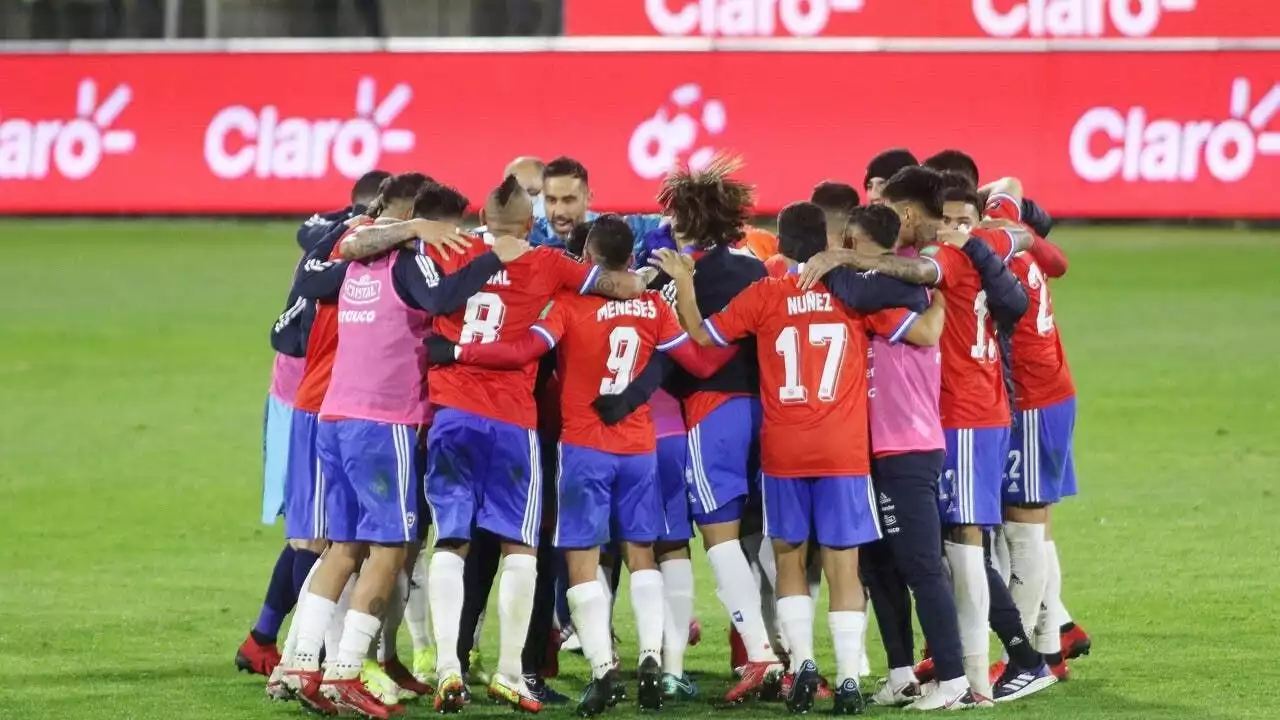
(561, 393)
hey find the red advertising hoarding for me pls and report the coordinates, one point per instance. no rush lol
(924, 18)
(1097, 135)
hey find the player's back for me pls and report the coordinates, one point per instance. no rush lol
(813, 386)
(1041, 376)
(504, 308)
(973, 393)
(604, 346)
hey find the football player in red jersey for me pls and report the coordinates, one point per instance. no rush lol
(607, 472)
(812, 360)
(974, 404)
(483, 461)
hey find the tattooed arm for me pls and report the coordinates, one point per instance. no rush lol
(376, 239)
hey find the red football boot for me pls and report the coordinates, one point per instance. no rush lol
(1075, 641)
(824, 690)
(924, 671)
(354, 696)
(1060, 671)
(255, 658)
(995, 671)
(754, 677)
(306, 688)
(405, 679)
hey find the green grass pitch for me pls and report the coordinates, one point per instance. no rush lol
(134, 363)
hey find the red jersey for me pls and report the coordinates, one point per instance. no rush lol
(505, 308)
(603, 345)
(973, 394)
(1040, 374)
(322, 347)
(813, 377)
(776, 266)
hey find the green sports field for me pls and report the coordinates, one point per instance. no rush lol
(134, 362)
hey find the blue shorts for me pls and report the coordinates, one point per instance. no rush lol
(595, 490)
(839, 511)
(276, 421)
(724, 452)
(969, 491)
(370, 480)
(304, 512)
(673, 451)
(485, 472)
(1040, 455)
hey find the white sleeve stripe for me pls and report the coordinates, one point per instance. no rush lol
(714, 333)
(546, 336)
(937, 267)
(1013, 246)
(906, 324)
(314, 265)
(673, 343)
(428, 268)
(590, 282)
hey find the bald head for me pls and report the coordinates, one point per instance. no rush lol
(508, 210)
(529, 172)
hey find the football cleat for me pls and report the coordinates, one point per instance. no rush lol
(1016, 683)
(597, 696)
(753, 678)
(305, 686)
(890, 695)
(935, 698)
(1075, 641)
(276, 689)
(477, 674)
(737, 650)
(1059, 669)
(649, 684)
(451, 694)
(352, 694)
(804, 688)
(849, 700)
(411, 687)
(924, 670)
(378, 683)
(695, 632)
(679, 688)
(256, 658)
(424, 665)
(996, 672)
(514, 692)
(543, 692)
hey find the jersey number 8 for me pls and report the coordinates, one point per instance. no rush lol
(482, 319)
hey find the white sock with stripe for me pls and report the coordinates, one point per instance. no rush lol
(1028, 571)
(740, 596)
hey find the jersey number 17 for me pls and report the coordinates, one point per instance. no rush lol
(834, 337)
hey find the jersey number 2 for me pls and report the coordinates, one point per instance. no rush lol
(624, 350)
(834, 336)
(482, 319)
(1044, 315)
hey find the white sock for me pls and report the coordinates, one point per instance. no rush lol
(903, 676)
(604, 576)
(445, 596)
(678, 589)
(396, 605)
(311, 620)
(589, 609)
(515, 608)
(333, 636)
(767, 564)
(741, 599)
(291, 640)
(1057, 611)
(417, 611)
(795, 614)
(1048, 639)
(649, 607)
(1000, 553)
(1028, 571)
(358, 631)
(847, 628)
(973, 605)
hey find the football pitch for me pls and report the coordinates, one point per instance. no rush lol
(134, 363)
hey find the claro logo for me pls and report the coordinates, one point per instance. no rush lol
(745, 18)
(1074, 18)
(241, 141)
(1107, 143)
(73, 148)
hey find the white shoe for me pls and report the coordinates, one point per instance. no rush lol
(890, 695)
(379, 684)
(959, 698)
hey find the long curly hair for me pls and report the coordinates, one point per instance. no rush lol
(708, 206)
